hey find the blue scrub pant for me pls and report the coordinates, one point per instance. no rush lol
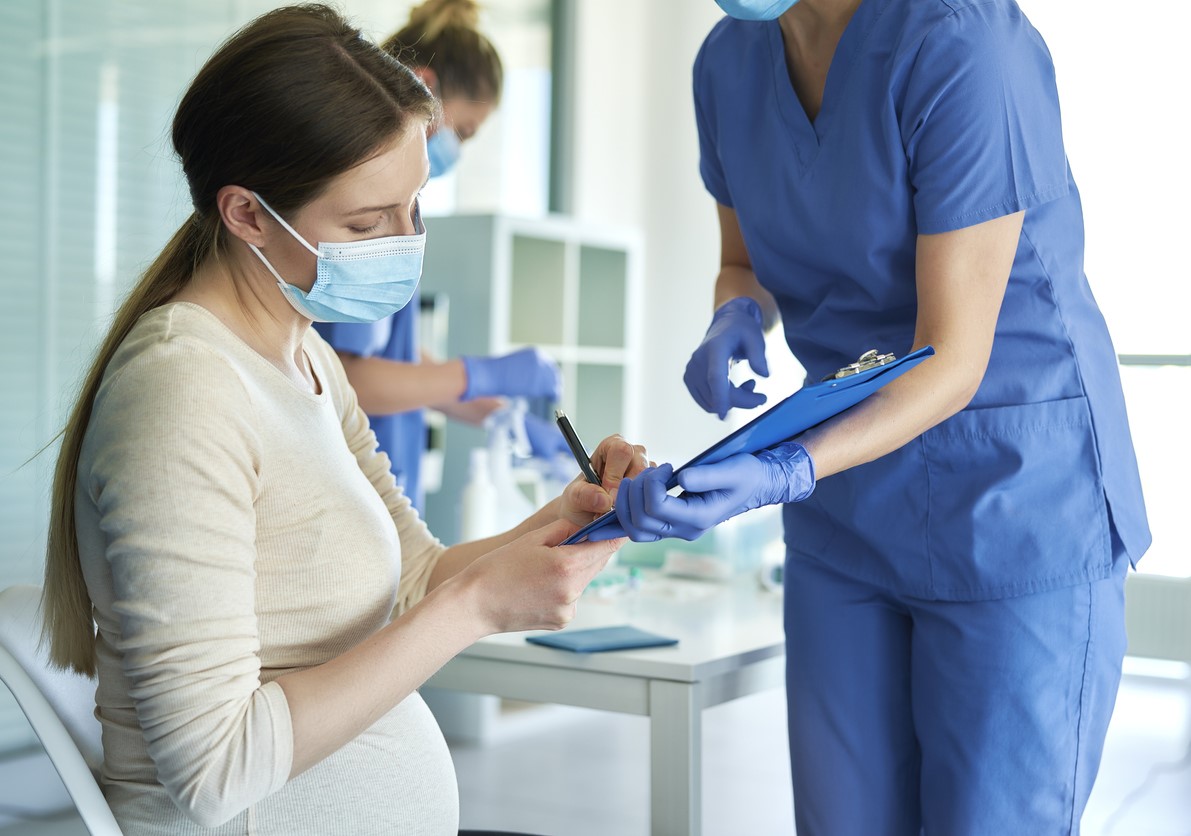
(909, 716)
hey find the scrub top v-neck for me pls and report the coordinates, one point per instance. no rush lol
(805, 133)
(935, 116)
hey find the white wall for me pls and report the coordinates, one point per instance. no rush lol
(637, 162)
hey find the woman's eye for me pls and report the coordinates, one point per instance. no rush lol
(364, 230)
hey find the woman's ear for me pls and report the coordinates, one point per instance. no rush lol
(429, 78)
(241, 213)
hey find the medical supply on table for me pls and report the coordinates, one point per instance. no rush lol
(613, 582)
(499, 492)
(479, 499)
(577, 448)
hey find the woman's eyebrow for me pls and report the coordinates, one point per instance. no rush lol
(366, 209)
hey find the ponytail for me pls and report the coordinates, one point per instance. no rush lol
(68, 624)
(444, 35)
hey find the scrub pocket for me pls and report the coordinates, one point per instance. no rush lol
(1015, 501)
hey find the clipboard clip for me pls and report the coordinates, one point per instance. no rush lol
(868, 360)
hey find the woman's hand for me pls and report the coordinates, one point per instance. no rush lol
(614, 459)
(533, 583)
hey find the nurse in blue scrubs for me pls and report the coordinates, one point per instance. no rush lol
(891, 174)
(383, 361)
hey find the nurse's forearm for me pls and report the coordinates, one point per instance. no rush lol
(736, 276)
(470, 412)
(385, 387)
(893, 416)
(734, 281)
(960, 281)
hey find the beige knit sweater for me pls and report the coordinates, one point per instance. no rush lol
(233, 528)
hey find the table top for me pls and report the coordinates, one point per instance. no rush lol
(721, 626)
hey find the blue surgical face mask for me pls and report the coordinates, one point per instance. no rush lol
(443, 150)
(755, 9)
(357, 281)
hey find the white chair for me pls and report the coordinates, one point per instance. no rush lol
(59, 705)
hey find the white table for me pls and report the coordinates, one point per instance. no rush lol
(731, 644)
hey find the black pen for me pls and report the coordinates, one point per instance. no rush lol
(568, 432)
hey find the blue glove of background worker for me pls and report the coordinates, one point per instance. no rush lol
(526, 373)
(734, 334)
(712, 493)
(545, 438)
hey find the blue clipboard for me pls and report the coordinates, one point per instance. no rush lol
(812, 404)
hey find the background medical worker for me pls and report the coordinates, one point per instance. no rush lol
(394, 382)
(228, 551)
(891, 174)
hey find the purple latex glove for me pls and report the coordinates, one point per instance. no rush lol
(526, 373)
(711, 493)
(734, 334)
(545, 438)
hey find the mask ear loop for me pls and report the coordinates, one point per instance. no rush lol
(281, 283)
(281, 221)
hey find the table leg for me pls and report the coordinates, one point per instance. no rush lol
(676, 757)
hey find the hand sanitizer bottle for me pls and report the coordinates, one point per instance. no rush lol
(480, 501)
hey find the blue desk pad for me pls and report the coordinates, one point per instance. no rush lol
(812, 404)
(598, 639)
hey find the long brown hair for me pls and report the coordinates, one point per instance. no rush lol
(287, 103)
(444, 36)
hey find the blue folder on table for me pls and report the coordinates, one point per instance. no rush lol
(598, 639)
(812, 404)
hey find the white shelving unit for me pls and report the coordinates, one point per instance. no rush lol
(563, 286)
(568, 288)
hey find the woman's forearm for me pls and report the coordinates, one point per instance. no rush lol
(334, 702)
(458, 557)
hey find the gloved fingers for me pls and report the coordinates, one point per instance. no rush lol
(732, 474)
(630, 510)
(532, 374)
(526, 372)
(744, 397)
(624, 516)
(551, 383)
(665, 514)
(689, 515)
(752, 340)
(611, 531)
(545, 438)
(695, 378)
(706, 378)
(719, 363)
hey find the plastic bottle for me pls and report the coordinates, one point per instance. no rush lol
(512, 504)
(480, 500)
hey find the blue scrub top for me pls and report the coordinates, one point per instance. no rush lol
(936, 116)
(401, 436)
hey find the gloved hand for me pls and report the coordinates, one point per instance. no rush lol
(545, 438)
(712, 493)
(525, 373)
(734, 334)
